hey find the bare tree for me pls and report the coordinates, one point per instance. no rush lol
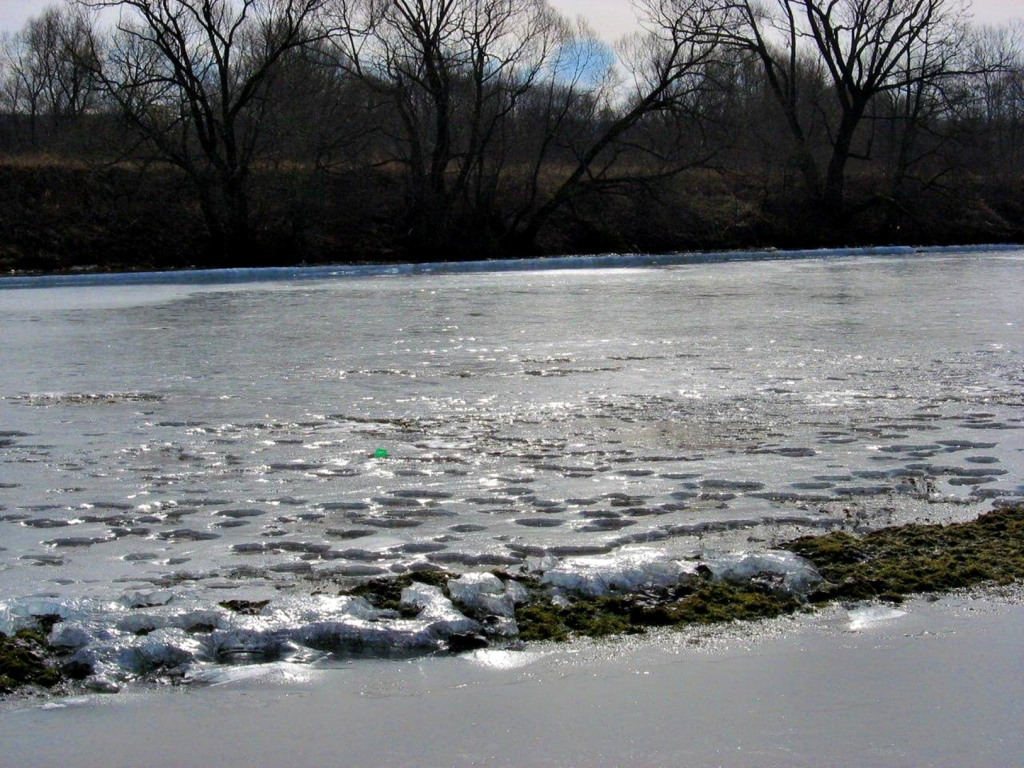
(454, 72)
(557, 120)
(672, 65)
(193, 79)
(772, 31)
(24, 82)
(46, 79)
(992, 94)
(69, 36)
(918, 111)
(864, 47)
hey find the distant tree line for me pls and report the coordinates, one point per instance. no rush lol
(492, 117)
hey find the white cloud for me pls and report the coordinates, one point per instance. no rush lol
(611, 18)
(614, 18)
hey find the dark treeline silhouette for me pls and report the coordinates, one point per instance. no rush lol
(142, 133)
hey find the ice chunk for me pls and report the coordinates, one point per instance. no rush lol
(123, 658)
(141, 623)
(165, 649)
(517, 592)
(419, 596)
(22, 613)
(435, 608)
(233, 643)
(70, 637)
(438, 618)
(625, 571)
(482, 594)
(100, 684)
(789, 573)
(147, 598)
(541, 564)
(304, 610)
(467, 586)
(190, 620)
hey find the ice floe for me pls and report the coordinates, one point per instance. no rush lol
(485, 594)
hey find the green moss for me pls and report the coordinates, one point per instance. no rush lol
(888, 564)
(703, 603)
(33, 636)
(600, 618)
(838, 548)
(24, 660)
(541, 620)
(719, 603)
(894, 562)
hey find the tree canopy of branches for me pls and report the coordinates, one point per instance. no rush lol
(195, 79)
(492, 118)
(469, 80)
(456, 74)
(673, 63)
(865, 48)
(49, 73)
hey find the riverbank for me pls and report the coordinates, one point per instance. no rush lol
(64, 218)
(536, 264)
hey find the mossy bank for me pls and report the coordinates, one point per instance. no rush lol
(888, 564)
(26, 659)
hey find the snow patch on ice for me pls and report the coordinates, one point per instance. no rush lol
(868, 616)
(493, 658)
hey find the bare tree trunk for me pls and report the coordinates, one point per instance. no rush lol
(805, 158)
(214, 222)
(834, 194)
(236, 203)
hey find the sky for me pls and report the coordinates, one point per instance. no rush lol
(614, 18)
(611, 18)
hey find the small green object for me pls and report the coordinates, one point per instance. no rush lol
(380, 453)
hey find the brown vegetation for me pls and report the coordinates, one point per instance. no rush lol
(57, 216)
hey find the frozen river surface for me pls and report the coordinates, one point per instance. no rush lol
(216, 442)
